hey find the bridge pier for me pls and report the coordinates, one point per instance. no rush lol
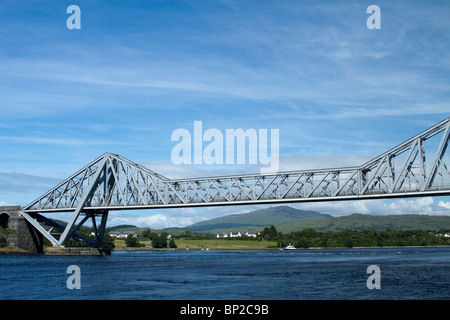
(18, 232)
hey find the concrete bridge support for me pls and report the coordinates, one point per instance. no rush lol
(18, 232)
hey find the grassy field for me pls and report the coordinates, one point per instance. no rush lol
(213, 244)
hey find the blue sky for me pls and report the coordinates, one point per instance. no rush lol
(338, 92)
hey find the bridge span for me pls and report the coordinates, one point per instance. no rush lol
(112, 182)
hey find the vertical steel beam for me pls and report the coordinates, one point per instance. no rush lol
(422, 164)
(439, 155)
(103, 227)
(86, 196)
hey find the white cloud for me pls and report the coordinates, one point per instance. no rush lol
(287, 163)
(311, 162)
(58, 141)
(159, 218)
(416, 206)
(444, 205)
(154, 221)
(424, 205)
(24, 183)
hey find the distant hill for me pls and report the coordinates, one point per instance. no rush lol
(287, 219)
(254, 220)
(372, 222)
(126, 228)
(259, 218)
(122, 226)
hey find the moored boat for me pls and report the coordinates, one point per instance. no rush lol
(289, 247)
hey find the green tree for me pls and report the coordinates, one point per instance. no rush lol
(172, 244)
(131, 241)
(309, 233)
(147, 233)
(108, 242)
(302, 243)
(187, 234)
(349, 243)
(159, 241)
(270, 233)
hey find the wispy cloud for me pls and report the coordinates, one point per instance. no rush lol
(58, 141)
(425, 205)
(269, 57)
(20, 188)
(338, 92)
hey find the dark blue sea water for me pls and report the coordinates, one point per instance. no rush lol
(406, 273)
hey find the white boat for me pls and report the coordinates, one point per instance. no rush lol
(289, 247)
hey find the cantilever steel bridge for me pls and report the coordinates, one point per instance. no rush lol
(113, 182)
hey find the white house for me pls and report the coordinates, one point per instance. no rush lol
(114, 234)
(250, 234)
(222, 235)
(121, 235)
(235, 235)
(129, 233)
(445, 235)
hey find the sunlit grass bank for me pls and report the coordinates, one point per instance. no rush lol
(213, 244)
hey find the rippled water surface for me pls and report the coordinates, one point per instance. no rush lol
(406, 273)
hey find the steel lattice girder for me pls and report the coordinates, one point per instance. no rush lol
(113, 182)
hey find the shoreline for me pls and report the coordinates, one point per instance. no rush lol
(88, 251)
(271, 249)
(5, 251)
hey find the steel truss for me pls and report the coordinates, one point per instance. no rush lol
(113, 182)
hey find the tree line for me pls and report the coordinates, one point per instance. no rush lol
(159, 241)
(307, 238)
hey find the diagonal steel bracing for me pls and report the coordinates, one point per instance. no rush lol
(113, 182)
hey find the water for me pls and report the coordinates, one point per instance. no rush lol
(335, 274)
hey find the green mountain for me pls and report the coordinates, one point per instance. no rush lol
(255, 220)
(287, 219)
(122, 226)
(372, 222)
